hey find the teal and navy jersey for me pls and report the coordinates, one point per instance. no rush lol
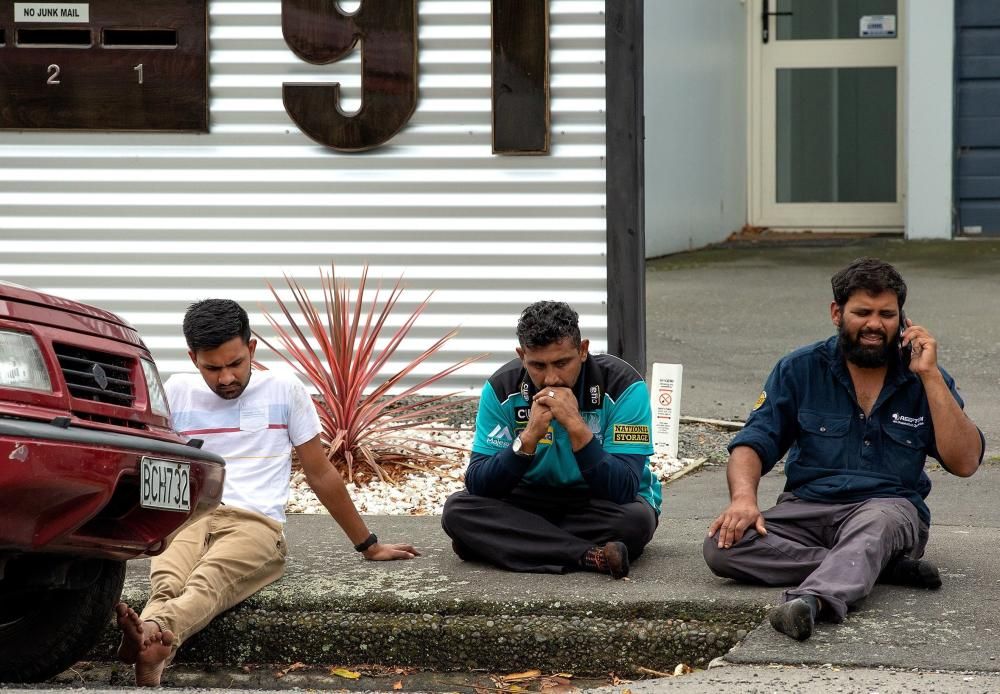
(613, 400)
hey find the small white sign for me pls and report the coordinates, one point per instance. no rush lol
(61, 13)
(878, 26)
(665, 402)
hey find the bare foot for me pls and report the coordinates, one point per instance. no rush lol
(133, 638)
(154, 656)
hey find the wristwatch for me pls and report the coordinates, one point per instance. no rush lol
(518, 445)
(368, 542)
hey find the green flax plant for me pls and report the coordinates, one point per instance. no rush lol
(366, 421)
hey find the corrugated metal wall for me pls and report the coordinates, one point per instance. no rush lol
(977, 117)
(144, 224)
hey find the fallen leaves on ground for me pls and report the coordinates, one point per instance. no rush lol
(397, 685)
(654, 673)
(557, 684)
(525, 676)
(682, 669)
(291, 668)
(345, 673)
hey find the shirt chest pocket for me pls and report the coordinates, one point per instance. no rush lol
(823, 439)
(253, 416)
(906, 452)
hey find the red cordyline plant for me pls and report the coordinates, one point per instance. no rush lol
(334, 347)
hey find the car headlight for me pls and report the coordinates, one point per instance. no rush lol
(157, 396)
(21, 363)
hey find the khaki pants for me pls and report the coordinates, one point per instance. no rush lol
(212, 565)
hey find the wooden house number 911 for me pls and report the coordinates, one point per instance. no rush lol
(320, 33)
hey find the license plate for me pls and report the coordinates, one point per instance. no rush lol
(165, 484)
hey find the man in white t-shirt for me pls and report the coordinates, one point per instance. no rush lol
(227, 556)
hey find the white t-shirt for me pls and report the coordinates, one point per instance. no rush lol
(254, 433)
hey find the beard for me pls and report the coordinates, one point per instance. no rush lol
(866, 356)
(231, 391)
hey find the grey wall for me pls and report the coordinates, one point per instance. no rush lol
(696, 122)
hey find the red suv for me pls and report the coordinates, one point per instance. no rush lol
(90, 475)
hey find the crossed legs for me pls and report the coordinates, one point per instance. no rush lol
(534, 532)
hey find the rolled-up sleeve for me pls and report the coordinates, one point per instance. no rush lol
(770, 428)
(933, 451)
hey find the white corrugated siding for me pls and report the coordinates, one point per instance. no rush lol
(143, 224)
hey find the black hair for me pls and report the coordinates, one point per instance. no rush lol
(213, 322)
(870, 275)
(546, 322)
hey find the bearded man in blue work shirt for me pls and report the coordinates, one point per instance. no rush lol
(559, 477)
(857, 422)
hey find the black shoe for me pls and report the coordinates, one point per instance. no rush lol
(612, 559)
(461, 550)
(796, 617)
(911, 572)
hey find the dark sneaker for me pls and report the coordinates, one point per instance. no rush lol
(612, 559)
(461, 550)
(911, 572)
(795, 618)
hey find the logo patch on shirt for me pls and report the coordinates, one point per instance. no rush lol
(522, 414)
(500, 436)
(595, 395)
(760, 400)
(524, 392)
(593, 420)
(912, 422)
(630, 433)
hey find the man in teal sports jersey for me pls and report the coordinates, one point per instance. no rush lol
(559, 478)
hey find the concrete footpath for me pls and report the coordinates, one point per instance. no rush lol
(441, 613)
(727, 315)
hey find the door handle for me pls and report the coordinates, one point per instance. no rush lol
(765, 17)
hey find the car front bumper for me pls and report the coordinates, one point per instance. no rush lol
(75, 490)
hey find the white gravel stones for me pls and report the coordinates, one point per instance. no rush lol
(421, 493)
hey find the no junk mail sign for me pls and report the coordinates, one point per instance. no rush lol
(109, 65)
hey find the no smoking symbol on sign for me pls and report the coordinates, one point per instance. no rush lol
(666, 398)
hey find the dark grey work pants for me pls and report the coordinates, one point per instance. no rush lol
(543, 530)
(832, 551)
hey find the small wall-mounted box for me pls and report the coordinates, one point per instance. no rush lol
(104, 65)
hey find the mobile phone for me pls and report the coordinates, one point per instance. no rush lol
(905, 352)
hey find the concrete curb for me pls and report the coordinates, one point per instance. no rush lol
(587, 638)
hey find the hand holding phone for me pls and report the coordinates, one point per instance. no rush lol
(905, 352)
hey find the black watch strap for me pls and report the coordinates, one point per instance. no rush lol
(369, 541)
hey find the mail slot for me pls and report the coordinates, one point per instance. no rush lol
(140, 38)
(54, 38)
(104, 65)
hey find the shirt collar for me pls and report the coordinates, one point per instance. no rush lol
(896, 377)
(589, 388)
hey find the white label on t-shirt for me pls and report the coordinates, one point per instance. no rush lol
(253, 416)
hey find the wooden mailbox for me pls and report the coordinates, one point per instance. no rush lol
(104, 65)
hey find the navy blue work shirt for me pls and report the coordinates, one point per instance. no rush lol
(835, 453)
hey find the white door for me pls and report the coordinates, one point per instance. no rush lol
(826, 114)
